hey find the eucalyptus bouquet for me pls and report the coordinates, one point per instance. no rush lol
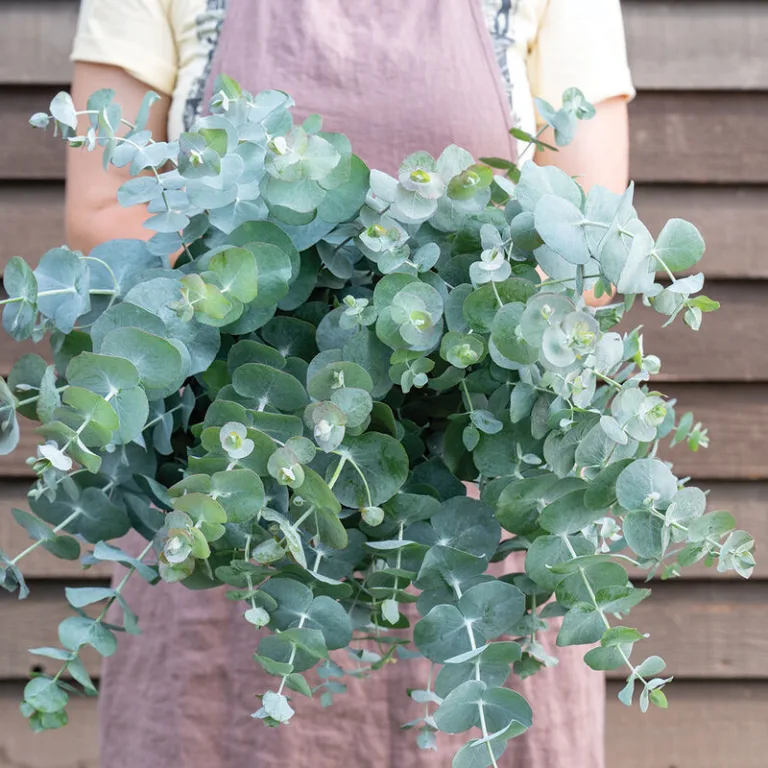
(291, 411)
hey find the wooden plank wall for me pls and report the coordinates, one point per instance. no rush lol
(699, 151)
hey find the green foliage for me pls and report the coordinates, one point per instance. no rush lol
(290, 409)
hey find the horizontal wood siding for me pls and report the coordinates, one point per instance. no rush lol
(699, 152)
(689, 45)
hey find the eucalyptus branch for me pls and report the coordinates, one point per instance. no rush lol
(61, 292)
(593, 599)
(480, 708)
(28, 400)
(108, 604)
(60, 527)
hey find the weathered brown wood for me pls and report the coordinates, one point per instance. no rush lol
(14, 464)
(705, 630)
(731, 219)
(31, 220)
(680, 45)
(11, 351)
(75, 746)
(708, 725)
(697, 137)
(730, 345)
(35, 623)
(697, 45)
(39, 564)
(737, 418)
(676, 137)
(702, 629)
(32, 154)
(36, 40)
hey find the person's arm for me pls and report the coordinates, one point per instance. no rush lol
(599, 154)
(92, 213)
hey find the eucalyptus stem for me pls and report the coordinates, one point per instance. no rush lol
(100, 618)
(32, 547)
(115, 282)
(632, 668)
(608, 380)
(664, 266)
(61, 292)
(530, 144)
(679, 527)
(463, 385)
(291, 657)
(337, 471)
(161, 417)
(28, 400)
(346, 457)
(248, 578)
(496, 294)
(304, 517)
(97, 112)
(473, 645)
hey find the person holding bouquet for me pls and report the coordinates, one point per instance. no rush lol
(394, 77)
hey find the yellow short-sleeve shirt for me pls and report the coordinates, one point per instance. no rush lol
(543, 47)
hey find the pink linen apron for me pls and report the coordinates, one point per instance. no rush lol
(395, 77)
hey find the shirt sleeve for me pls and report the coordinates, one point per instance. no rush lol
(135, 35)
(580, 43)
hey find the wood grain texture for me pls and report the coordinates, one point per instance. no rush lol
(730, 345)
(35, 623)
(680, 45)
(76, 746)
(675, 137)
(14, 539)
(737, 418)
(33, 154)
(731, 219)
(687, 45)
(31, 220)
(698, 137)
(680, 737)
(36, 40)
(708, 724)
(702, 629)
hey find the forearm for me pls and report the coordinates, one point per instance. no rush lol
(92, 212)
(599, 154)
(86, 229)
